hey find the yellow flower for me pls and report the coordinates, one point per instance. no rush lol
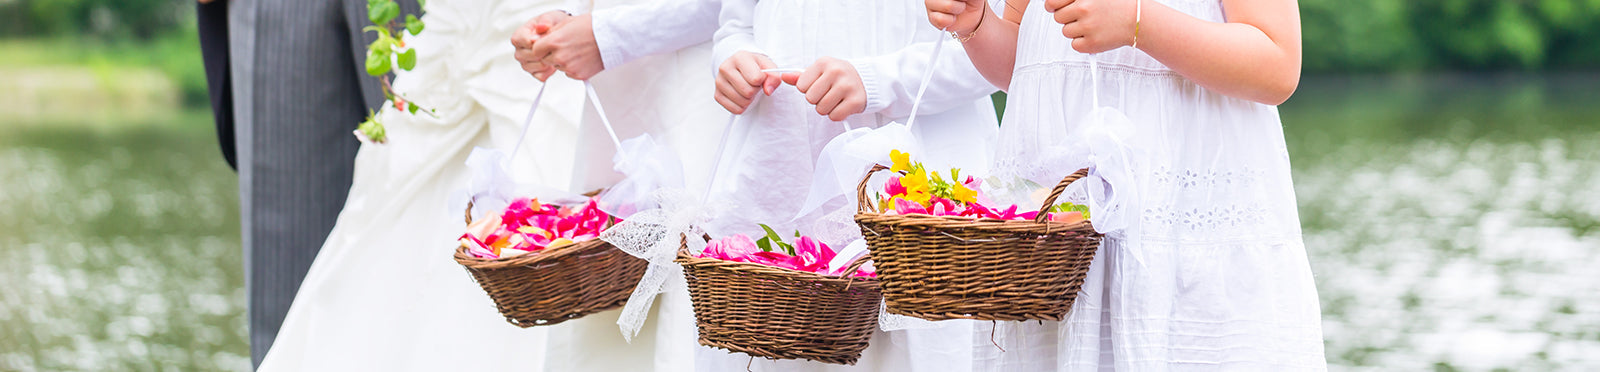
(901, 161)
(963, 194)
(916, 184)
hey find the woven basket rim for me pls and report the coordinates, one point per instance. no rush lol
(984, 224)
(758, 269)
(530, 258)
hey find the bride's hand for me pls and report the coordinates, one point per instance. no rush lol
(740, 77)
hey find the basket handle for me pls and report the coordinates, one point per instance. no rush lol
(863, 205)
(856, 265)
(1056, 192)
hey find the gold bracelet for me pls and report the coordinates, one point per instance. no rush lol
(1138, 12)
(963, 39)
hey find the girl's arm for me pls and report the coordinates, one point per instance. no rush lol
(891, 81)
(1254, 55)
(993, 44)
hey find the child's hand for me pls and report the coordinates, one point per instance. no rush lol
(530, 32)
(740, 77)
(959, 16)
(833, 85)
(1095, 25)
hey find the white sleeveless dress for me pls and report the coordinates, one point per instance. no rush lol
(384, 293)
(1216, 277)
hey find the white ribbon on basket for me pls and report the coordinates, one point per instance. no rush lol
(1103, 143)
(655, 235)
(491, 187)
(840, 166)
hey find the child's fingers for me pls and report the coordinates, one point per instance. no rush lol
(791, 78)
(729, 105)
(808, 78)
(1074, 30)
(530, 62)
(544, 75)
(1068, 14)
(750, 69)
(1053, 5)
(764, 63)
(820, 89)
(941, 20)
(772, 83)
(830, 101)
(1084, 45)
(951, 7)
(731, 78)
(851, 105)
(726, 88)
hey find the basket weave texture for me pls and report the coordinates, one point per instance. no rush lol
(557, 284)
(778, 313)
(941, 267)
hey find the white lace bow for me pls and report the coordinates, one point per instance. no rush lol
(654, 235)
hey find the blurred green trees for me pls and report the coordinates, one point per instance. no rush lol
(1340, 35)
(1387, 35)
(134, 19)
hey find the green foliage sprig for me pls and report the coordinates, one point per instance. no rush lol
(384, 55)
(773, 241)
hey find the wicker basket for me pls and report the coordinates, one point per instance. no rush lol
(779, 313)
(937, 267)
(558, 284)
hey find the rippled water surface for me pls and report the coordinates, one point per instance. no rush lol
(1453, 223)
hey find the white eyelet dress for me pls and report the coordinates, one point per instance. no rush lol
(1215, 277)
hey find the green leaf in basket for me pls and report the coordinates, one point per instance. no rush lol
(765, 244)
(771, 234)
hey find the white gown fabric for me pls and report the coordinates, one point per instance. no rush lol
(646, 88)
(767, 170)
(384, 293)
(1216, 278)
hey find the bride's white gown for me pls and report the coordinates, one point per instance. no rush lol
(384, 293)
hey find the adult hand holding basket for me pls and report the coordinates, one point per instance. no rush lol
(948, 267)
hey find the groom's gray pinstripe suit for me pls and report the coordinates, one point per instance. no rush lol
(299, 89)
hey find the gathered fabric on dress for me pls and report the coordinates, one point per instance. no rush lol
(1216, 275)
(384, 293)
(667, 96)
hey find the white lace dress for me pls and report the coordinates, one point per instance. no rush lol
(1216, 276)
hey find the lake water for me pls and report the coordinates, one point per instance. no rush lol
(1452, 223)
